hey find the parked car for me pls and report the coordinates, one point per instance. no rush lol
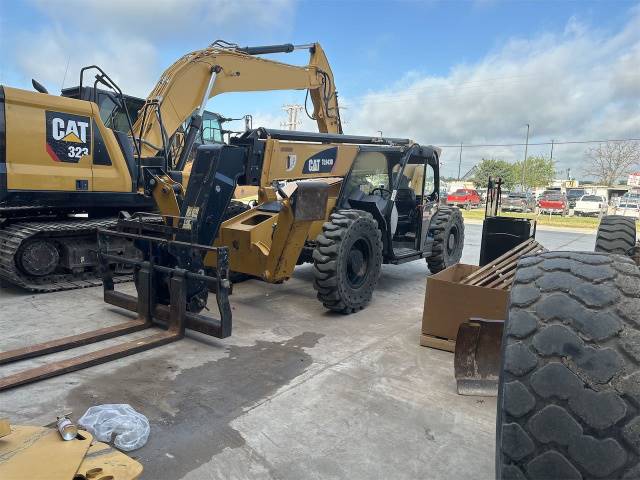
(574, 194)
(464, 197)
(519, 202)
(590, 205)
(555, 202)
(629, 205)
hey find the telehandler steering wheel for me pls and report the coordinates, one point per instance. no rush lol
(382, 192)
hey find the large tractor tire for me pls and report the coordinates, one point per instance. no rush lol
(570, 384)
(447, 229)
(347, 261)
(616, 234)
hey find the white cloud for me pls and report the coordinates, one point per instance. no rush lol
(131, 40)
(169, 19)
(578, 84)
(133, 68)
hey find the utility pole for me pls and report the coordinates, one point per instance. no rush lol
(552, 149)
(292, 122)
(459, 160)
(524, 161)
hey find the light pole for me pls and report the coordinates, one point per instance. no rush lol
(552, 149)
(459, 160)
(524, 161)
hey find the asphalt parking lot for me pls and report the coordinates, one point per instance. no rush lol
(295, 392)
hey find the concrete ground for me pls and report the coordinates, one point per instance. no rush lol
(295, 392)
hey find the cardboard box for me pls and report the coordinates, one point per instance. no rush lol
(447, 304)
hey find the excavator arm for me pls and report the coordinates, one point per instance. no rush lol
(186, 86)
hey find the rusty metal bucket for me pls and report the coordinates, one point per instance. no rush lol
(477, 357)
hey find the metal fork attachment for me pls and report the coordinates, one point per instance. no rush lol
(172, 288)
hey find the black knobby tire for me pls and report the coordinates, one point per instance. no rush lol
(569, 394)
(347, 260)
(447, 230)
(616, 234)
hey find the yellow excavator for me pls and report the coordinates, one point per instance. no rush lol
(64, 173)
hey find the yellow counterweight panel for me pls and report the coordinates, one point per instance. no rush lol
(35, 121)
(30, 165)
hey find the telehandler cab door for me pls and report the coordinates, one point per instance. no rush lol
(415, 200)
(398, 188)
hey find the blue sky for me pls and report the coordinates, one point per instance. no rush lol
(438, 71)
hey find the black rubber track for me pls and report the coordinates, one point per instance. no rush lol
(446, 218)
(569, 394)
(16, 234)
(616, 234)
(342, 230)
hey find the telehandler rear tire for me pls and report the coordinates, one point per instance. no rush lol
(570, 382)
(616, 234)
(347, 261)
(447, 229)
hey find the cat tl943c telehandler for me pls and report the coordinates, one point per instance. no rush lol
(58, 157)
(347, 203)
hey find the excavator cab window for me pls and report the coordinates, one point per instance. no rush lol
(113, 116)
(211, 128)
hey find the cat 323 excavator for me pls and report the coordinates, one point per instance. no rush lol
(59, 159)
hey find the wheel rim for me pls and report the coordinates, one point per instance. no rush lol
(358, 262)
(452, 241)
(39, 258)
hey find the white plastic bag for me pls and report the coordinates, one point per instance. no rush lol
(131, 429)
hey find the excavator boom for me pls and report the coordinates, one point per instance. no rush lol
(186, 86)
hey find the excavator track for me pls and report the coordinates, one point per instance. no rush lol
(15, 235)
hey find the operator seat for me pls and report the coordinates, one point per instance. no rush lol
(405, 199)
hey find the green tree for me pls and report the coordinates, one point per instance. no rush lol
(539, 172)
(494, 167)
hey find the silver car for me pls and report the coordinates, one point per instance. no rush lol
(519, 202)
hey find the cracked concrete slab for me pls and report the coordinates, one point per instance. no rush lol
(295, 392)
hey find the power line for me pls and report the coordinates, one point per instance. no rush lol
(554, 142)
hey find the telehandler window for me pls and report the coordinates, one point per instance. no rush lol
(370, 171)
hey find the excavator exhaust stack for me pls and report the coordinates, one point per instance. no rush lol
(477, 357)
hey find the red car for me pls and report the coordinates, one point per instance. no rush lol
(554, 203)
(464, 197)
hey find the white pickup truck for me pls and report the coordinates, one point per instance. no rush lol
(588, 205)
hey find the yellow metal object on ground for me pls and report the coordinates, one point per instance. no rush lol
(110, 462)
(5, 428)
(40, 453)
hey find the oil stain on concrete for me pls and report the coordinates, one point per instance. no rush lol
(190, 414)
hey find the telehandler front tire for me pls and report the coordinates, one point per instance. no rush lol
(447, 229)
(347, 261)
(570, 383)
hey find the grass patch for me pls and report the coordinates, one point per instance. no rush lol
(552, 221)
